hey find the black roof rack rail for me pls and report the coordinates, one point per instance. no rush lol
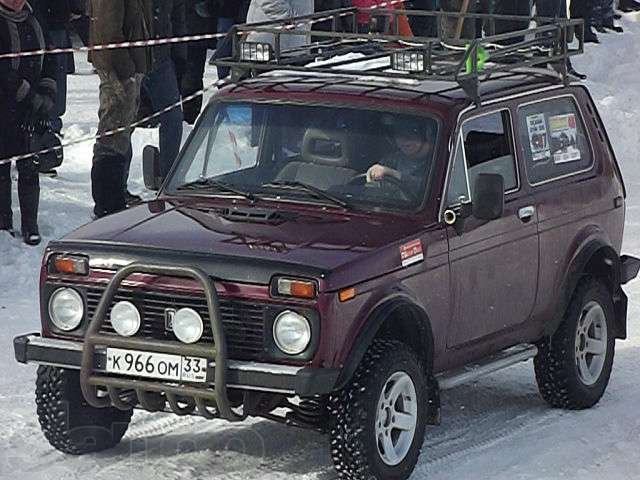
(543, 43)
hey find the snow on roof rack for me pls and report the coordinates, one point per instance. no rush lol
(543, 43)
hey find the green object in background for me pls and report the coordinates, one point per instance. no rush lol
(483, 57)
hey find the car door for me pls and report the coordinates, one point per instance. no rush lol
(493, 264)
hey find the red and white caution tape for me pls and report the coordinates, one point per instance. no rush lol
(88, 138)
(183, 39)
(146, 43)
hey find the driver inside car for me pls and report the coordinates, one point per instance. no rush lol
(412, 142)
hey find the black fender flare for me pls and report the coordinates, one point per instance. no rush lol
(374, 324)
(577, 269)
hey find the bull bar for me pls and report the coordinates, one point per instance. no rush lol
(196, 397)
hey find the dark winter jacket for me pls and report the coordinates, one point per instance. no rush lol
(116, 21)
(53, 14)
(21, 79)
(236, 9)
(169, 21)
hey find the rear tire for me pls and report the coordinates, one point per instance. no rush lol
(573, 367)
(68, 422)
(381, 415)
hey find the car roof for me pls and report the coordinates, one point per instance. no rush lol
(313, 87)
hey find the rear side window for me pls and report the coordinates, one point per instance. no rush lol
(554, 139)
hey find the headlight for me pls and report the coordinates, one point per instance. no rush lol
(292, 332)
(125, 319)
(187, 325)
(66, 309)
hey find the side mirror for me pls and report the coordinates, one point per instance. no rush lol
(151, 168)
(488, 196)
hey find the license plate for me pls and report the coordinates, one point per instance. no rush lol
(156, 365)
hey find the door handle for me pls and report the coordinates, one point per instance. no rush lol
(526, 213)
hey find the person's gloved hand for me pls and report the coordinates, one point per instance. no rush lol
(41, 106)
(43, 100)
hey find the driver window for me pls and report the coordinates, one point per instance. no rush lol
(488, 147)
(485, 145)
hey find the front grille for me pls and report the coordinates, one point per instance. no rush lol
(243, 322)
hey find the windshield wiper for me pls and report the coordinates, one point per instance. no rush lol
(309, 189)
(212, 184)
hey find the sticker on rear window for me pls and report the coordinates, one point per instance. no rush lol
(538, 138)
(411, 253)
(564, 138)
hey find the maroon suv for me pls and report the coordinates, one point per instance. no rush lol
(332, 252)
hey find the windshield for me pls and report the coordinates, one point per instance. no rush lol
(339, 156)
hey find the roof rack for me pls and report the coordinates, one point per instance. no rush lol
(545, 43)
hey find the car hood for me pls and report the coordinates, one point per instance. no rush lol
(327, 241)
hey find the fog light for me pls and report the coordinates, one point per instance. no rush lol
(412, 62)
(292, 332)
(187, 325)
(66, 309)
(125, 319)
(256, 52)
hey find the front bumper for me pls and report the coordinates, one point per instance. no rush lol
(265, 377)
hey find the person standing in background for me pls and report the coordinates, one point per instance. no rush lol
(584, 9)
(424, 26)
(198, 23)
(80, 22)
(54, 17)
(366, 20)
(557, 9)
(271, 10)
(121, 72)
(27, 95)
(227, 14)
(604, 17)
(160, 87)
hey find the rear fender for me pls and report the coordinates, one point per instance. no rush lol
(598, 258)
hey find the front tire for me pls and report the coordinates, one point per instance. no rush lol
(573, 367)
(68, 422)
(381, 415)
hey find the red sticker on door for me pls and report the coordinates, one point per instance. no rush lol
(411, 253)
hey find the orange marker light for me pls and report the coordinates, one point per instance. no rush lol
(71, 265)
(296, 288)
(347, 294)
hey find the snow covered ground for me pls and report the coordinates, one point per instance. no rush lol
(497, 428)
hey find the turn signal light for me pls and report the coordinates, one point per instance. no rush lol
(70, 265)
(296, 288)
(347, 294)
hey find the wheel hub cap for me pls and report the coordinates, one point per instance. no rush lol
(591, 343)
(396, 419)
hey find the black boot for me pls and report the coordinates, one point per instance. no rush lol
(131, 199)
(590, 36)
(609, 24)
(29, 195)
(106, 184)
(629, 6)
(6, 214)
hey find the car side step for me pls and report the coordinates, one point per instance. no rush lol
(499, 361)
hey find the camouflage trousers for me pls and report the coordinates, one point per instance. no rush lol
(119, 103)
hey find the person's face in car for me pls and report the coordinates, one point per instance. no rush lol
(412, 144)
